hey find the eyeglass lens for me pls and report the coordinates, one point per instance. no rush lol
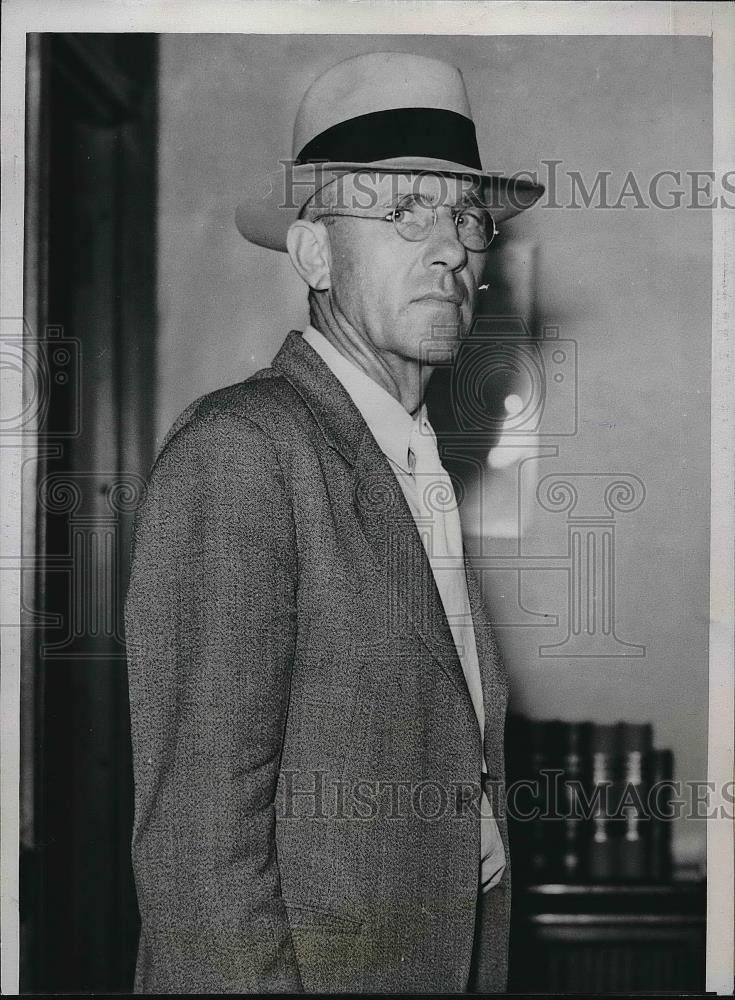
(414, 219)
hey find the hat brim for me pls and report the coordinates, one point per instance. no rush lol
(267, 210)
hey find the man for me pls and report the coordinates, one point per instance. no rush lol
(316, 693)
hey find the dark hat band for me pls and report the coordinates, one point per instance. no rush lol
(382, 135)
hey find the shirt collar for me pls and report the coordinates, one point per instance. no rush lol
(388, 421)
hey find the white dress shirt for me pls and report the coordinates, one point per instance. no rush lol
(410, 446)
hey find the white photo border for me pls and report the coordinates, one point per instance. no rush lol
(474, 17)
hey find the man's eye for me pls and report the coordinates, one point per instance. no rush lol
(468, 219)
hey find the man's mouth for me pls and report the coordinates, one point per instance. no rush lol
(453, 298)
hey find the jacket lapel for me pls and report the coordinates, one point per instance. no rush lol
(414, 601)
(494, 679)
(411, 595)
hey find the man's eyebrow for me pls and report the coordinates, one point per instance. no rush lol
(472, 197)
(413, 197)
(468, 198)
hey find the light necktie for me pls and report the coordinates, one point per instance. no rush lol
(441, 533)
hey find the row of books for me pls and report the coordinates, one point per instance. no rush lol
(588, 802)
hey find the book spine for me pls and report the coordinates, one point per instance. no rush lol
(635, 747)
(575, 785)
(660, 774)
(544, 858)
(603, 753)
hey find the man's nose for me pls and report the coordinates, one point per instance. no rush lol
(443, 246)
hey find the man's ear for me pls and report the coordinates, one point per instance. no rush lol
(308, 247)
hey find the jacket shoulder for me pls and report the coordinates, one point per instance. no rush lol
(224, 444)
(266, 402)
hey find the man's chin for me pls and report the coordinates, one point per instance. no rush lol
(434, 339)
(443, 340)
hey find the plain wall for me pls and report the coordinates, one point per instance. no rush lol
(631, 287)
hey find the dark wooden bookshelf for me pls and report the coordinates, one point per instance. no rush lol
(608, 938)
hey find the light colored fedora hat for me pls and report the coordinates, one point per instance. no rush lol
(384, 111)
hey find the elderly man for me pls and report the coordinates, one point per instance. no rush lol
(317, 699)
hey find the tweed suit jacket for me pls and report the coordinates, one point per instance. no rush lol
(306, 753)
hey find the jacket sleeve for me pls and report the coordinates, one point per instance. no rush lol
(210, 625)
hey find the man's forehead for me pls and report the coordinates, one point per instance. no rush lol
(442, 186)
(368, 188)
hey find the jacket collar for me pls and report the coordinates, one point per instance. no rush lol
(390, 423)
(339, 419)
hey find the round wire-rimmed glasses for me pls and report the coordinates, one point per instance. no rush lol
(414, 218)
